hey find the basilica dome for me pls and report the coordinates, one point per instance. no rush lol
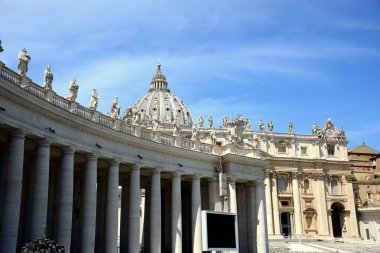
(159, 104)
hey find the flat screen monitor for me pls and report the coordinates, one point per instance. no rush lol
(219, 231)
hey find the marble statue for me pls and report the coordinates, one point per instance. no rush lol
(213, 136)
(291, 128)
(342, 134)
(261, 125)
(225, 122)
(115, 108)
(194, 132)
(137, 118)
(248, 126)
(94, 100)
(155, 125)
(23, 60)
(176, 126)
(201, 121)
(235, 131)
(314, 129)
(270, 126)
(48, 78)
(1, 48)
(128, 114)
(73, 90)
(210, 122)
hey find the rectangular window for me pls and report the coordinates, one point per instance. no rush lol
(303, 151)
(284, 203)
(281, 149)
(330, 149)
(367, 233)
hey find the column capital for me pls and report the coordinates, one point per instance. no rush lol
(114, 162)
(18, 133)
(44, 142)
(92, 157)
(176, 174)
(135, 166)
(68, 150)
(212, 179)
(156, 170)
(196, 177)
(259, 184)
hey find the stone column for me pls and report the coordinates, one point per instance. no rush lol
(101, 195)
(351, 203)
(66, 194)
(40, 191)
(124, 215)
(251, 216)
(155, 213)
(276, 213)
(134, 210)
(12, 194)
(89, 205)
(323, 228)
(212, 193)
(232, 193)
(262, 233)
(111, 217)
(268, 198)
(176, 214)
(297, 204)
(3, 169)
(196, 215)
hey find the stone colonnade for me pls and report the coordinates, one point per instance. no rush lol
(76, 203)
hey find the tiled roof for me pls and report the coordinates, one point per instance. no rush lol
(363, 149)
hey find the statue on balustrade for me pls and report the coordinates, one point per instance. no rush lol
(314, 129)
(291, 128)
(213, 136)
(210, 122)
(201, 121)
(115, 108)
(270, 126)
(128, 114)
(248, 126)
(176, 129)
(23, 61)
(1, 48)
(225, 122)
(48, 78)
(235, 131)
(73, 90)
(261, 126)
(155, 125)
(194, 133)
(94, 100)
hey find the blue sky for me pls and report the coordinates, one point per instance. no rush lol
(300, 61)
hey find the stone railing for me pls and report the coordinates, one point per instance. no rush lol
(101, 119)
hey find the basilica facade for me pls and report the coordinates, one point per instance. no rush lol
(62, 165)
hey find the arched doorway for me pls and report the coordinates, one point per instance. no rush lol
(337, 218)
(286, 227)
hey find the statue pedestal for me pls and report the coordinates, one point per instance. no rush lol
(95, 116)
(49, 95)
(25, 82)
(73, 106)
(116, 124)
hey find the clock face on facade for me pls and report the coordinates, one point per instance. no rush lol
(330, 133)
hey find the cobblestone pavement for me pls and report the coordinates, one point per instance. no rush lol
(279, 246)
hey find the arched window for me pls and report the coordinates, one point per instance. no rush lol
(282, 184)
(306, 186)
(334, 187)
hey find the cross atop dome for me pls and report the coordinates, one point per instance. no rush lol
(159, 81)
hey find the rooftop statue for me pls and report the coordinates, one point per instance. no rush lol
(176, 130)
(291, 128)
(115, 108)
(248, 126)
(73, 90)
(210, 122)
(236, 128)
(155, 125)
(270, 126)
(213, 136)
(330, 131)
(201, 121)
(48, 78)
(23, 60)
(128, 114)
(94, 100)
(1, 48)
(261, 125)
(194, 133)
(314, 129)
(225, 122)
